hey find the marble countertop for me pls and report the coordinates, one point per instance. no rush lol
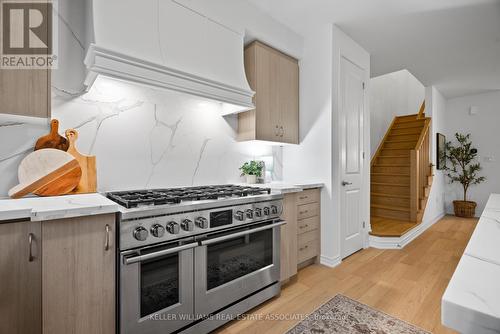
(471, 302)
(57, 207)
(287, 187)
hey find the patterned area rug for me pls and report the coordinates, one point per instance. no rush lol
(344, 315)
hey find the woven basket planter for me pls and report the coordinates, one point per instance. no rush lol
(466, 209)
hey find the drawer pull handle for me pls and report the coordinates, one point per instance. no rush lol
(30, 244)
(302, 212)
(304, 226)
(303, 197)
(304, 248)
(106, 243)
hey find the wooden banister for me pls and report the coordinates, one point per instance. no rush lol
(421, 112)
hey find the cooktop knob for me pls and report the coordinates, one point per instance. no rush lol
(258, 212)
(266, 211)
(157, 230)
(249, 213)
(173, 228)
(140, 233)
(201, 222)
(274, 209)
(239, 215)
(187, 225)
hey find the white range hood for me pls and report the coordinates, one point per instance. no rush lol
(165, 44)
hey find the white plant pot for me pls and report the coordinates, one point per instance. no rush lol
(251, 179)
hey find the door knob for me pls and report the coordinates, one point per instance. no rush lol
(345, 183)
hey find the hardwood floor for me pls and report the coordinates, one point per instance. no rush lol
(407, 283)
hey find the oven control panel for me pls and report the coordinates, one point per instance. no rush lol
(149, 231)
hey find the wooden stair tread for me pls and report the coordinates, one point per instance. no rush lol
(390, 207)
(393, 156)
(391, 174)
(402, 141)
(384, 227)
(389, 184)
(391, 165)
(390, 195)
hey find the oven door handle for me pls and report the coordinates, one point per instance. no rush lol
(140, 258)
(241, 234)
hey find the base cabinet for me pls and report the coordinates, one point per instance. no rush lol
(20, 278)
(58, 277)
(300, 237)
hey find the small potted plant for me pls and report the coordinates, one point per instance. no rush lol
(252, 170)
(464, 169)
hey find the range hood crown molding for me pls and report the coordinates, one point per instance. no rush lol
(171, 60)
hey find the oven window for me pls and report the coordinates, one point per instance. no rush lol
(231, 259)
(159, 284)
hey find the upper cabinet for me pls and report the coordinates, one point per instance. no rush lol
(274, 76)
(25, 92)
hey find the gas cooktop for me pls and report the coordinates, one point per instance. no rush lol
(135, 198)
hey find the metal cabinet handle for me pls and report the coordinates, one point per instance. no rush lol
(304, 226)
(303, 197)
(106, 243)
(303, 248)
(302, 212)
(277, 131)
(282, 131)
(345, 183)
(30, 244)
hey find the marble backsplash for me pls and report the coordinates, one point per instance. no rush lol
(142, 137)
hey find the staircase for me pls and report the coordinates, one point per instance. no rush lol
(401, 176)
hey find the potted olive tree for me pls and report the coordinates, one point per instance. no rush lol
(252, 170)
(464, 169)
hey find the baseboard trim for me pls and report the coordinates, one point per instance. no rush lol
(405, 239)
(331, 262)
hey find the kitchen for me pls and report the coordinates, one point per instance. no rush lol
(191, 166)
(148, 197)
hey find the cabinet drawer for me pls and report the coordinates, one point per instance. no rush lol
(308, 246)
(308, 196)
(308, 224)
(307, 210)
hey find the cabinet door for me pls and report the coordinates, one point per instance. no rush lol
(288, 84)
(25, 92)
(288, 256)
(20, 278)
(78, 275)
(267, 93)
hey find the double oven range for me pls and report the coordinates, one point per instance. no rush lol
(191, 259)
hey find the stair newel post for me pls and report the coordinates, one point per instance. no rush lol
(414, 184)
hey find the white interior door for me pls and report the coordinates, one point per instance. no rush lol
(352, 95)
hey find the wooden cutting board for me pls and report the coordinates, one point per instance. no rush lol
(88, 181)
(53, 139)
(47, 172)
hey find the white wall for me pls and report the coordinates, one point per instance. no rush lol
(317, 157)
(436, 109)
(311, 159)
(391, 95)
(485, 136)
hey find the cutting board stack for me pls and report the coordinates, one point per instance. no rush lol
(56, 167)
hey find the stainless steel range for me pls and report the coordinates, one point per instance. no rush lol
(191, 259)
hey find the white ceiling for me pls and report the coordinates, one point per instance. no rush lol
(452, 44)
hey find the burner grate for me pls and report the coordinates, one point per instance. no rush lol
(131, 199)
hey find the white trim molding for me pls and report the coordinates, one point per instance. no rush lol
(331, 262)
(402, 241)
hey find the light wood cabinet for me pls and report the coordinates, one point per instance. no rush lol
(78, 275)
(274, 77)
(25, 92)
(20, 278)
(300, 237)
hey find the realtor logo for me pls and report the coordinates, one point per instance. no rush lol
(26, 36)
